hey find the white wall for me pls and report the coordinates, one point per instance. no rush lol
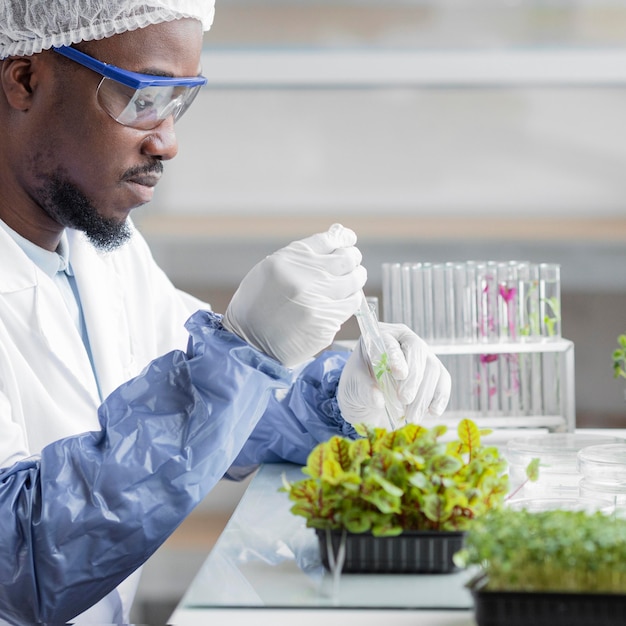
(443, 150)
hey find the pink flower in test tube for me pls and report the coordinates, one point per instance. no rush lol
(507, 293)
(488, 358)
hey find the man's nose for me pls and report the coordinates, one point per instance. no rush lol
(161, 142)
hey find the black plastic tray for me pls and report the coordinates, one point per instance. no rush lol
(409, 553)
(520, 608)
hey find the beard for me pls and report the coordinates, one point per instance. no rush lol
(70, 207)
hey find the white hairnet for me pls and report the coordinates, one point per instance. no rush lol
(30, 26)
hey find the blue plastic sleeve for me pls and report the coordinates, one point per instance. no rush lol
(80, 518)
(294, 424)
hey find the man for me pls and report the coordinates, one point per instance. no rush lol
(122, 400)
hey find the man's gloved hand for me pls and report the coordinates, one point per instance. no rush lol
(423, 382)
(291, 305)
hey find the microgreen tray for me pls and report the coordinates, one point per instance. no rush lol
(411, 552)
(521, 608)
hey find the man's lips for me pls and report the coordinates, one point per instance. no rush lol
(142, 180)
(146, 180)
(147, 175)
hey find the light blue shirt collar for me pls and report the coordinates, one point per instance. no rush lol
(48, 262)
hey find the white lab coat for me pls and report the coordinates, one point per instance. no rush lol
(133, 314)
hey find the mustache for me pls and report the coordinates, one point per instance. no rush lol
(156, 167)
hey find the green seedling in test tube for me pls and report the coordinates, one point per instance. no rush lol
(379, 363)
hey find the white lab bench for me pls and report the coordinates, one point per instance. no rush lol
(266, 569)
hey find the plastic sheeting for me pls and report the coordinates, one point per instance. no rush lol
(77, 520)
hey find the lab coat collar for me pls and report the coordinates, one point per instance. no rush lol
(102, 301)
(48, 262)
(22, 275)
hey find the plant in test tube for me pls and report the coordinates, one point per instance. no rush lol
(511, 379)
(619, 358)
(508, 295)
(487, 385)
(487, 321)
(381, 367)
(484, 378)
(532, 326)
(552, 316)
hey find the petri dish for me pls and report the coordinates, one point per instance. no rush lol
(604, 462)
(588, 504)
(558, 455)
(610, 491)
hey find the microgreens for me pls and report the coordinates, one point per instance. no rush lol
(555, 550)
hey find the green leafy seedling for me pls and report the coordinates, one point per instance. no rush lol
(388, 482)
(619, 358)
(382, 367)
(551, 321)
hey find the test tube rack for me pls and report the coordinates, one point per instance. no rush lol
(511, 385)
(496, 326)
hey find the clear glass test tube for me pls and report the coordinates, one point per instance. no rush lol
(376, 352)
(550, 300)
(463, 287)
(531, 386)
(418, 322)
(508, 298)
(440, 334)
(465, 302)
(427, 284)
(550, 310)
(528, 302)
(392, 292)
(406, 316)
(487, 307)
(450, 303)
(372, 303)
(509, 374)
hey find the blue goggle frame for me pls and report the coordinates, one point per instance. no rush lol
(138, 100)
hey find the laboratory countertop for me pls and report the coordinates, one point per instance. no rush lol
(266, 568)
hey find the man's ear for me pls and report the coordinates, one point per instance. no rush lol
(17, 77)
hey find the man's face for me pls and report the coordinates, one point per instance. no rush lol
(84, 169)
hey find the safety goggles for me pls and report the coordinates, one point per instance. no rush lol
(140, 101)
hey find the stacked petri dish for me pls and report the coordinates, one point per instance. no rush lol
(558, 454)
(603, 471)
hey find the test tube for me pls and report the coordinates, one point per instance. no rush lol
(417, 299)
(427, 283)
(530, 331)
(372, 303)
(392, 292)
(550, 300)
(508, 298)
(407, 296)
(486, 286)
(551, 379)
(440, 312)
(449, 303)
(376, 352)
(465, 302)
(464, 288)
(509, 375)
(550, 310)
(528, 302)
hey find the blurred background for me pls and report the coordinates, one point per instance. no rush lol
(439, 130)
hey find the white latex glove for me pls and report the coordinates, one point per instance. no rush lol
(424, 384)
(291, 305)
